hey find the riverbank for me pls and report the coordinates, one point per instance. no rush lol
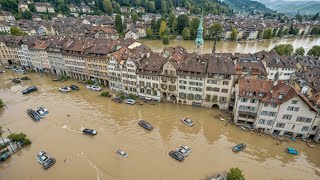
(235, 47)
(95, 158)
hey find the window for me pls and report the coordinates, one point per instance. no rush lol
(290, 108)
(287, 116)
(198, 97)
(296, 109)
(314, 128)
(182, 87)
(225, 83)
(280, 125)
(294, 102)
(252, 101)
(305, 128)
(223, 99)
(269, 123)
(308, 120)
(224, 90)
(262, 121)
(244, 100)
(274, 105)
(265, 104)
(264, 113)
(190, 96)
(272, 114)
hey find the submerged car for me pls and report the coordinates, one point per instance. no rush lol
(176, 155)
(4, 156)
(89, 131)
(129, 101)
(186, 148)
(292, 151)
(50, 162)
(183, 152)
(117, 99)
(34, 115)
(94, 87)
(29, 90)
(187, 121)
(42, 157)
(74, 87)
(65, 89)
(239, 147)
(122, 153)
(145, 125)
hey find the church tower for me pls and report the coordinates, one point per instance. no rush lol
(199, 39)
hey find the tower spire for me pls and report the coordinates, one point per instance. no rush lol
(199, 39)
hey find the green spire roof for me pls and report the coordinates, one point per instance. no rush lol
(199, 39)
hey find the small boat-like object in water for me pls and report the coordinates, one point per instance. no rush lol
(221, 119)
(292, 151)
(34, 115)
(16, 80)
(243, 128)
(239, 147)
(25, 78)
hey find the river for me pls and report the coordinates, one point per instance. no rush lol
(84, 157)
(232, 47)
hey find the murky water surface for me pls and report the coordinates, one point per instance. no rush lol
(232, 47)
(83, 157)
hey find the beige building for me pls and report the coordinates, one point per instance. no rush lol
(9, 46)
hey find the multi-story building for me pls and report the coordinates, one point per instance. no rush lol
(97, 62)
(168, 81)
(73, 55)
(273, 107)
(191, 80)
(248, 65)
(105, 33)
(5, 27)
(220, 76)
(39, 56)
(148, 76)
(6, 16)
(23, 6)
(9, 46)
(55, 56)
(24, 53)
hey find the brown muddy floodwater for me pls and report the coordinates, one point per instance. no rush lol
(82, 157)
(233, 47)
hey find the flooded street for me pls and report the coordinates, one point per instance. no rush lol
(232, 47)
(84, 157)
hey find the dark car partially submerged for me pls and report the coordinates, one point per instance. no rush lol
(89, 131)
(145, 125)
(74, 87)
(29, 90)
(48, 163)
(176, 155)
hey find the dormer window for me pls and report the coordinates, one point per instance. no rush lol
(261, 94)
(281, 96)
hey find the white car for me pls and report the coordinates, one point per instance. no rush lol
(187, 121)
(129, 101)
(65, 89)
(42, 157)
(186, 148)
(93, 87)
(122, 153)
(183, 152)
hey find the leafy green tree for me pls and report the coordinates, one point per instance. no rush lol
(171, 19)
(215, 30)
(186, 33)
(183, 21)
(284, 49)
(9, 5)
(26, 15)
(165, 40)
(4, 33)
(21, 137)
(280, 32)
(32, 7)
(194, 24)
(108, 7)
(118, 23)
(235, 174)
(299, 52)
(151, 6)
(15, 31)
(267, 34)
(286, 31)
(162, 29)
(1, 105)
(134, 17)
(154, 25)
(274, 32)
(149, 32)
(163, 7)
(234, 34)
(314, 51)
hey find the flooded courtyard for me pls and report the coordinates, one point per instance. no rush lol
(85, 157)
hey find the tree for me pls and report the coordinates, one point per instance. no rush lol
(234, 34)
(274, 32)
(154, 25)
(315, 17)
(259, 35)
(235, 174)
(162, 28)
(32, 7)
(183, 21)
(9, 5)
(1, 105)
(186, 33)
(215, 30)
(314, 51)
(194, 24)
(21, 137)
(118, 23)
(149, 32)
(280, 32)
(15, 31)
(151, 6)
(26, 15)
(164, 7)
(171, 19)
(299, 51)
(134, 17)
(284, 49)
(267, 34)
(108, 7)
(165, 40)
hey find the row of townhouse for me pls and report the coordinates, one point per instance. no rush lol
(274, 107)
